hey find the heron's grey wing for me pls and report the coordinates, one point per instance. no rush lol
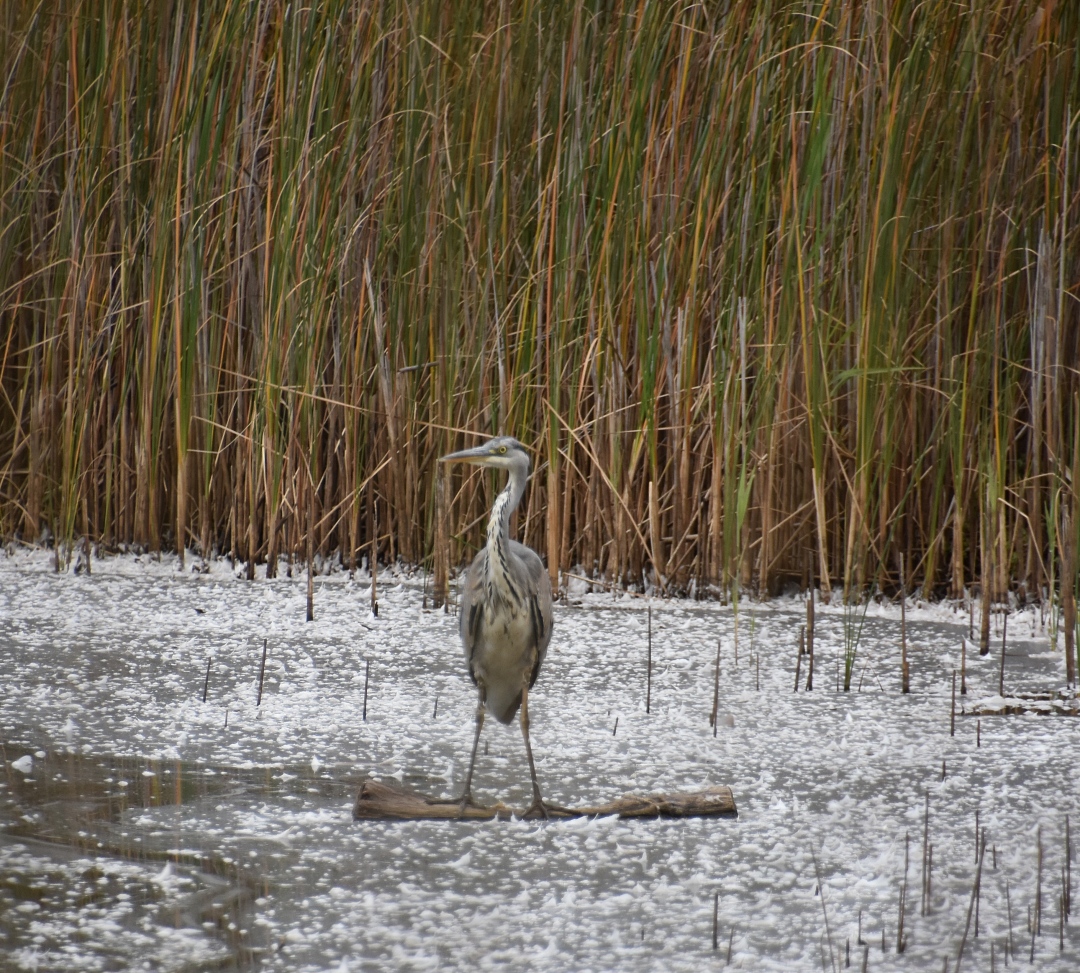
(538, 593)
(471, 618)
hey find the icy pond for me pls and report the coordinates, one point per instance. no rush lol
(142, 828)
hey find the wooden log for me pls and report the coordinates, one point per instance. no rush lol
(378, 801)
(1048, 703)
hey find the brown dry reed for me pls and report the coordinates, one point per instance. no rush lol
(761, 285)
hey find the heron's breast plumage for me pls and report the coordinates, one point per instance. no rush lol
(503, 657)
(506, 639)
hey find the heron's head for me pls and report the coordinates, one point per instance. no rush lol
(502, 452)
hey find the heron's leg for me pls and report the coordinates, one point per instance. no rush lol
(465, 800)
(538, 806)
(466, 796)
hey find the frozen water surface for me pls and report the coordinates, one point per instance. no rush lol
(144, 832)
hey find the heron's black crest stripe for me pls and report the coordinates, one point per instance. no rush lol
(476, 618)
(537, 620)
(535, 671)
(538, 634)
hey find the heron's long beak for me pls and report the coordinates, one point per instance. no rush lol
(476, 455)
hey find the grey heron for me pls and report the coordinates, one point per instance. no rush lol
(505, 616)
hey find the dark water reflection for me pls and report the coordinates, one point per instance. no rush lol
(73, 815)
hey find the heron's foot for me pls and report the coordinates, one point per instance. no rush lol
(544, 809)
(463, 803)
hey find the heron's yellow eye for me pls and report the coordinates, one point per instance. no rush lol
(502, 449)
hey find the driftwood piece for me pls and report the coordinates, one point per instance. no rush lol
(377, 801)
(1046, 704)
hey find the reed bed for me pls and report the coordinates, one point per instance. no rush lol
(776, 292)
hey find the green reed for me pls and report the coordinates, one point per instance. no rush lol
(775, 292)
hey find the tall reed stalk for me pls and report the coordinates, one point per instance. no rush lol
(758, 283)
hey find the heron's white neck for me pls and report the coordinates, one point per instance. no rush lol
(501, 585)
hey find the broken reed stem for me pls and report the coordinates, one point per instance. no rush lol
(262, 672)
(905, 681)
(206, 681)
(615, 728)
(952, 718)
(1001, 676)
(736, 612)
(441, 554)
(648, 666)
(923, 903)
(809, 665)
(907, 855)
(716, 921)
(367, 676)
(978, 902)
(963, 667)
(374, 557)
(1069, 566)
(824, 910)
(900, 944)
(929, 876)
(1011, 943)
(310, 554)
(1068, 869)
(716, 689)
(798, 658)
(1038, 879)
(971, 906)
